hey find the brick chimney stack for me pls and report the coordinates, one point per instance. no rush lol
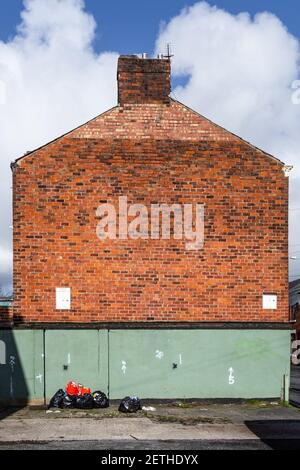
(142, 80)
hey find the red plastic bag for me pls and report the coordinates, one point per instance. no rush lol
(72, 389)
(82, 391)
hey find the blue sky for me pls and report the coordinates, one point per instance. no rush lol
(131, 26)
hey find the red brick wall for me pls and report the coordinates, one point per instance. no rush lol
(151, 153)
(6, 315)
(143, 81)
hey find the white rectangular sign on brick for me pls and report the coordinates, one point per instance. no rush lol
(63, 298)
(269, 302)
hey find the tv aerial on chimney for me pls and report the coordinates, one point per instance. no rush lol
(169, 51)
(168, 55)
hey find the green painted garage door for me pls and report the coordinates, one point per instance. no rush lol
(79, 355)
(198, 363)
(21, 366)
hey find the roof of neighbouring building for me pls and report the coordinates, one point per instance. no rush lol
(6, 301)
(294, 283)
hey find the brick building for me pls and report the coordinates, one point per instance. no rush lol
(211, 322)
(6, 311)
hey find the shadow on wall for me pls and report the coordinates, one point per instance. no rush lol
(14, 393)
(281, 434)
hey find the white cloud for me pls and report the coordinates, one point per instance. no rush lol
(241, 74)
(51, 80)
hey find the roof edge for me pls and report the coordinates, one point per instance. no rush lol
(230, 132)
(15, 162)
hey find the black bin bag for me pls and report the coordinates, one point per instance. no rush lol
(57, 399)
(100, 400)
(68, 401)
(130, 405)
(85, 402)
